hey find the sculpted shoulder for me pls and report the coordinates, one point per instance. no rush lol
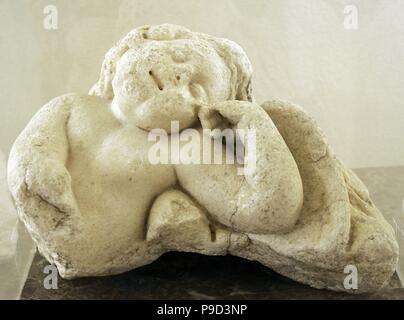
(62, 106)
(90, 118)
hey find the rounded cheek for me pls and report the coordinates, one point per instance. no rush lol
(136, 90)
(131, 89)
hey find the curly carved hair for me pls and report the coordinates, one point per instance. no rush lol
(232, 54)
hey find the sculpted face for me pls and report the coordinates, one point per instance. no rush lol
(162, 81)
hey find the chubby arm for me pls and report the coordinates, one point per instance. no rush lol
(265, 200)
(36, 167)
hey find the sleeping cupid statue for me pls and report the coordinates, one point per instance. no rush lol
(94, 203)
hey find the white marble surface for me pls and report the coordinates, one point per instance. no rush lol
(300, 51)
(16, 247)
(386, 186)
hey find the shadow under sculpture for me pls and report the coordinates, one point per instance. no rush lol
(95, 205)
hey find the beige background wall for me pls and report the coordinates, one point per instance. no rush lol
(351, 81)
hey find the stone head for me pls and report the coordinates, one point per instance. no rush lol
(158, 74)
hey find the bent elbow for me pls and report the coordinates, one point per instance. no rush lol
(287, 206)
(276, 212)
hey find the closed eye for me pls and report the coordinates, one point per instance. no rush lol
(156, 80)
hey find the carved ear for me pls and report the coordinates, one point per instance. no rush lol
(239, 65)
(245, 92)
(250, 96)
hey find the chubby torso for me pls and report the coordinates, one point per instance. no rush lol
(111, 175)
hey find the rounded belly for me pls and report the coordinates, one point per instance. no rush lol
(115, 199)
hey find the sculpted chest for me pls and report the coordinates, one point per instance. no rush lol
(112, 152)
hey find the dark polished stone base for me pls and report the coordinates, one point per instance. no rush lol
(190, 276)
